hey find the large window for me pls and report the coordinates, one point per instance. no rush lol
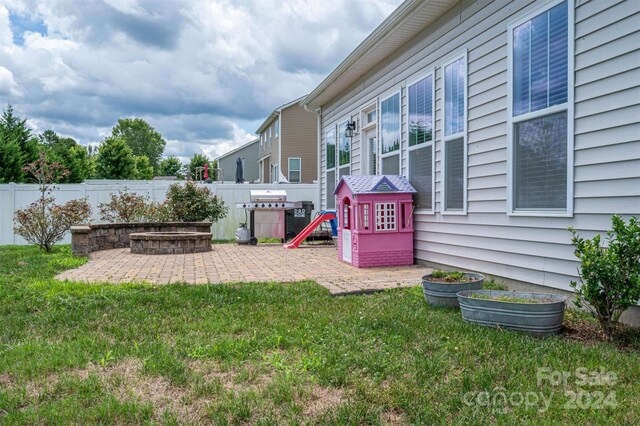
(420, 126)
(344, 150)
(295, 169)
(390, 134)
(540, 142)
(455, 152)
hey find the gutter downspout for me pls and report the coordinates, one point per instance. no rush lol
(318, 112)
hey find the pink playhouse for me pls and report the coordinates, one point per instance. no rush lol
(375, 220)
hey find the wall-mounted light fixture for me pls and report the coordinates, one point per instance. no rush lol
(350, 131)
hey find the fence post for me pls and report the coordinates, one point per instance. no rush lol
(12, 189)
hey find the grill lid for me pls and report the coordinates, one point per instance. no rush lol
(268, 195)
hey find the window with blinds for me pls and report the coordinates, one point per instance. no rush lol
(295, 170)
(420, 176)
(391, 165)
(540, 111)
(330, 141)
(454, 140)
(454, 174)
(420, 151)
(390, 124)
(455, 74)
(331, 186)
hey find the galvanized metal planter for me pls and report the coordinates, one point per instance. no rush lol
(539, 318)
(446, 294)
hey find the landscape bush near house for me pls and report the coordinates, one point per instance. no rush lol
(44, 222)
(610, 275)
(184, 203)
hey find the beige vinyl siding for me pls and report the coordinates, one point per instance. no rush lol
(606, 143)
(299, 136)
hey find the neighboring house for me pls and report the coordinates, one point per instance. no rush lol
(288, 145)
(249, 153)
(513, 119)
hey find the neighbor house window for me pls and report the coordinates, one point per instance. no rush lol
(390, 134)
(540, 111)
(385, 216)
(330, 163)
(295, 170)
(455, 152)
(344, 151)
(420, 151)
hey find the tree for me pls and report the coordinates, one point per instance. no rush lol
(141, 138)
(73, 156)
(170, 166)
(198, 160)
(115, 160)
(17, 146)
(44, 222)
(144, 170)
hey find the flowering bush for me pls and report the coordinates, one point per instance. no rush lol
(44, 222)
(127, 207)
(191, 203)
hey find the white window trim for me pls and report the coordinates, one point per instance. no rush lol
(289, 168)
(334, 169)
(429, 73)
(463, 135)
(569, 107)
(395, 216)
(366, 109)
(339, 167)
(389, 95)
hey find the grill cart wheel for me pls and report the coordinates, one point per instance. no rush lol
(253, 241)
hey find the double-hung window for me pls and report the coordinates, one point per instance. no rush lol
(390, 134)
(541, 143)
(295, 169)
(455, 135)
(330, 163)
(420, 131)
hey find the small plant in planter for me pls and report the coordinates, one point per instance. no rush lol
(440, 288)
(535, 313)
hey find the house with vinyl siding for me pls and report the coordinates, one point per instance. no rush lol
(248, 155)
(288, 150)
(512, 119)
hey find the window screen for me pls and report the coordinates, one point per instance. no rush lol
(331, 186)
(454, 84)
(390, 124)
(420, 176)
(454, 174)
(391, 165)
(541, 162)
(420, 111)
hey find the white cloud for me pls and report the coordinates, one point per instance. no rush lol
(204, 73)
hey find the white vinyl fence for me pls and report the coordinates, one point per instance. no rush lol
(17, 196)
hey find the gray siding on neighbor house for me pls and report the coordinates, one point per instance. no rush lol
(249, 153)
(300, 140)
(606, 144)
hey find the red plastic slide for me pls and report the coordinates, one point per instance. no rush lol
(295, 243)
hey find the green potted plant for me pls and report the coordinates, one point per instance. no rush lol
(440, 288)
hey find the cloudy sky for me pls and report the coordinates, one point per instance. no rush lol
(205, 73)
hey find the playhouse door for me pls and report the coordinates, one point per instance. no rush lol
(346, 245)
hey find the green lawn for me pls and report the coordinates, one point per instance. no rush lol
(281, 354)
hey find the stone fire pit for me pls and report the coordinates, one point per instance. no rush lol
(170, 242)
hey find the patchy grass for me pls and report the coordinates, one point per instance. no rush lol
(282, 354)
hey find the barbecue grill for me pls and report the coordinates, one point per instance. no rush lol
(267, 209)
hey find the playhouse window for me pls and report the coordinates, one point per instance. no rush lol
(365, 216)
(385, 216)
(345, 215)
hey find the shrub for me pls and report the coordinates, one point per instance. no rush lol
(191, 203)
(44, 222)
(126, 207)
(610, 275)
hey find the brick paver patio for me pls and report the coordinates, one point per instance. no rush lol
(236, 263)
